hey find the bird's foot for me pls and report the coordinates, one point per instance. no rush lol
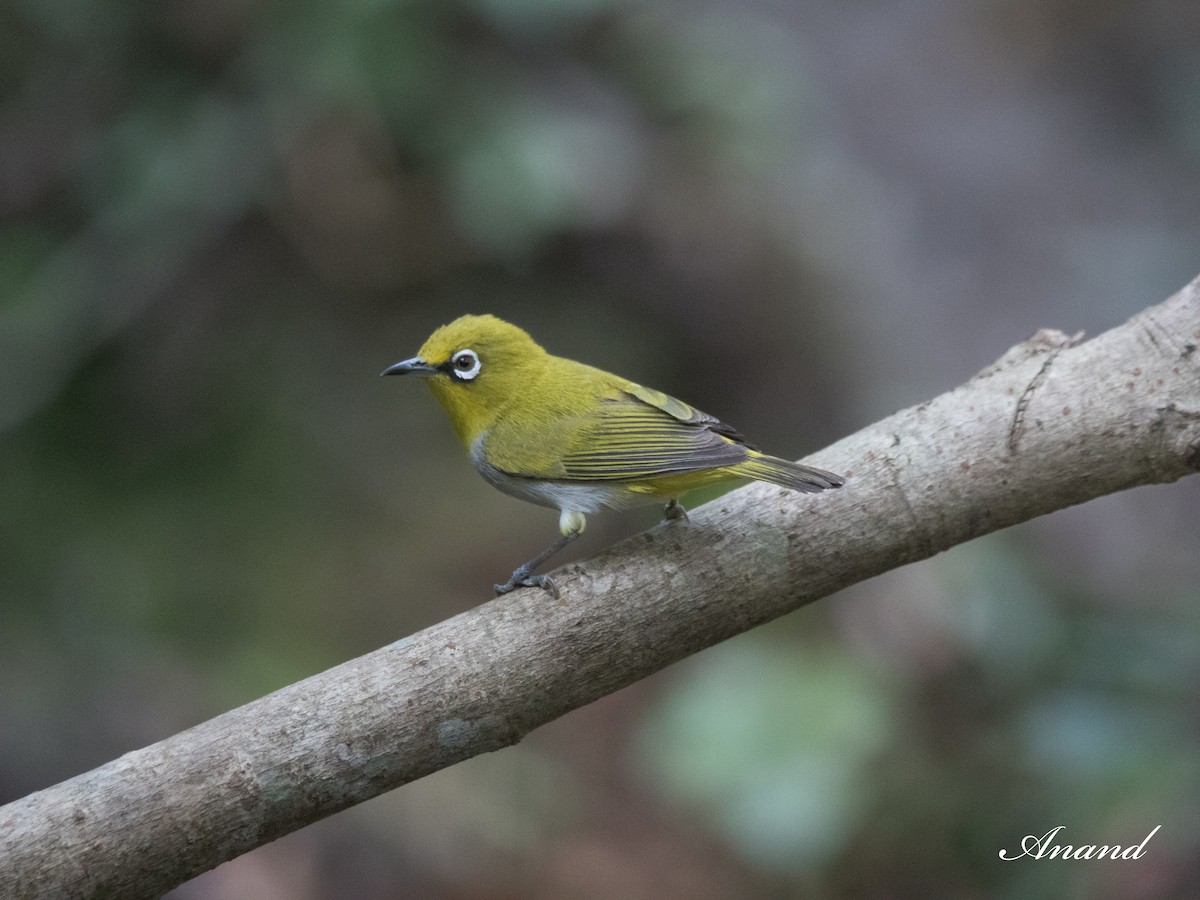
(674, 511)
(523, 578)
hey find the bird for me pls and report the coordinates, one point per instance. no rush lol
(565, 435)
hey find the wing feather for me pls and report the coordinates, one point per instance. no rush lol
(639, 433)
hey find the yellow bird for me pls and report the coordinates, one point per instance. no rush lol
(575, 438)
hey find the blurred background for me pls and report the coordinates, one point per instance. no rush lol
(220, 220)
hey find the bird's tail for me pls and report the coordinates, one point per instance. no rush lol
(788, 474)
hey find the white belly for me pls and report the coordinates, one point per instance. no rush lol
(584, 498)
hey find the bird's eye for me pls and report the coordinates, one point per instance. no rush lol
(466, 364)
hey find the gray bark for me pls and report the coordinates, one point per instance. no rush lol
(1053, 423)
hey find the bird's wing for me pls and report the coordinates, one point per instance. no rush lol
(638, 433)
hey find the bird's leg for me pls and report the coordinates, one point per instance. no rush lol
(523, 576)
(674, 510)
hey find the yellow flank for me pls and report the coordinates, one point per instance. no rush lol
(560, 433)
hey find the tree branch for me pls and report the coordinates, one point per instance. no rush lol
(1053, 423)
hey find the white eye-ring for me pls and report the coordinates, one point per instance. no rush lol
(465, 364)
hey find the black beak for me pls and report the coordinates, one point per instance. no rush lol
(414, 366)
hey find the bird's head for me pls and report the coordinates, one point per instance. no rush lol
(475, 366)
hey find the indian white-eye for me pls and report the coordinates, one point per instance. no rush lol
(569, 436)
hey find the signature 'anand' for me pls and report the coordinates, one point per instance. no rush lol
(1044, 847)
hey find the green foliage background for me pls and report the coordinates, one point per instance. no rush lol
(220, 220)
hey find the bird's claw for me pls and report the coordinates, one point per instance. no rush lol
(521, 579)
(674, 511)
